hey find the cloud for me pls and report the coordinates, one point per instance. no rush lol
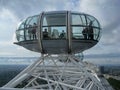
(7, 24)
(25, 8)
(13, 11)
(106, 11)
(6, 43)
(6, 54)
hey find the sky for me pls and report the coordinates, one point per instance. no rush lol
(106, 11)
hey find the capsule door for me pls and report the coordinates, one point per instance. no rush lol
(54, 33)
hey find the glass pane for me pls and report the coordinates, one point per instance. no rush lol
(54, 32)
(22, 25)
(58, 32)
(27, 22)
(27, 35)
(96, 34)
(99, 35)
(56, 19)
(33, 20)
(30, 32)
(20, 35)
(83, 20)
(76, 20)
(92, 20)
(77, 33)
(54, 26)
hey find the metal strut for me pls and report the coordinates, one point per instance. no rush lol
(61, 72)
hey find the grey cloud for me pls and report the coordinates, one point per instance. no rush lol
(23, 8)
(112, 26)
(107, 12)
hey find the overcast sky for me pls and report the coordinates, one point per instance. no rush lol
(106, 11)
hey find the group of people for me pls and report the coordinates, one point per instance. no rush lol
(32, 32)
(55, 34)
(88, 32)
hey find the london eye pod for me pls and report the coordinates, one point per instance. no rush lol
(58, 32)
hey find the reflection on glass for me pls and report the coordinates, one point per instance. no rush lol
(54, 26)
(20, 35)
(77, 32)
(85, 28)
(54, 32)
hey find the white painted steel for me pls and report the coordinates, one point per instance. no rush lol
(68, 74)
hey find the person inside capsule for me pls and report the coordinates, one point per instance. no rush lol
(90, 31)
(62, 35)
(45, 34)
(30, 32)
(34, 31)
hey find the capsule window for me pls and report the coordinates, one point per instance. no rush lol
(22, 25)
(93, 20)
(31, 26)
(77, 32)
(97, 34)
(20, 32)
(93, 28)
(83, 19)
(78, 24)
(20, 35)
(76, 20)
(54, 26)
